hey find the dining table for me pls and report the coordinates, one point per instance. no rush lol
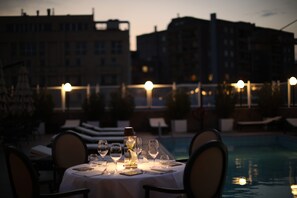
(105, 179)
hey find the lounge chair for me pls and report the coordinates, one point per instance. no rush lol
(41, 151)
(158, 123)
(70, 124)
(105, 129)
(92, 132)
(291, 124)
(94, 123)
(262, 123)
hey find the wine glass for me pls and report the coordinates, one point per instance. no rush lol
(153, 146)
(93, 158)
(164, 160)
(138, 147)
(115, 153)
(102, 148)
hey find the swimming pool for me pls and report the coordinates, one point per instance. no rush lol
(258, 165)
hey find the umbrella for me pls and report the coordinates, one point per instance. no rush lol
(22, 100)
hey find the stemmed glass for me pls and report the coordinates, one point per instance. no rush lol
(102, 148)
(93, 158)
(153, 146)
(138, 147)
(115, 153)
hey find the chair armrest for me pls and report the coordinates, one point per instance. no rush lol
(149, 188)
(83, 191)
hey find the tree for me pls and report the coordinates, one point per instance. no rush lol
(94, 106)
(225, 100)
(269, 100)
(178, 105)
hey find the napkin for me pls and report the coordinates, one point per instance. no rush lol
(161, 169)
(92, 172)
(171, 163)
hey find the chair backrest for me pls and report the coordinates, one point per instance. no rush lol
(23, 178)
(157, 122)
(201, 138)
(205, 171)
(68, 150)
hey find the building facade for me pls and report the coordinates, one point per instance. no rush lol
(70, 48)
(152, 56)
(218, 50)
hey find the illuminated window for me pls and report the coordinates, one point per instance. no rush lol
(145, 69)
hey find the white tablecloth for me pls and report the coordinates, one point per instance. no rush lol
(117, 185)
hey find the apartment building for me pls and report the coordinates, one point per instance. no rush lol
(65, 48)
(218, 50)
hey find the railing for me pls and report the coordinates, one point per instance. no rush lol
(200, 94)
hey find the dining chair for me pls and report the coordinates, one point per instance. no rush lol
(203, 137)
(204, 173)
(24, 178)
(68, 149)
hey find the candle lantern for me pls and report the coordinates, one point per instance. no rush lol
(130, 155)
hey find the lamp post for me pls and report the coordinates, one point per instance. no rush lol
(148, 86)
(67, 88)
(240, 85)
(293, 82)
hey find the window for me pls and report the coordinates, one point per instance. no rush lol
(42, 63)
(116, 47)
(41, 49)
(28, 49)
(113, 60)
(78, 62)
(67, 63)
(13, 48)
(67, 48)
(102, 61)
(99, 47)
(81, 48)
(226, 53)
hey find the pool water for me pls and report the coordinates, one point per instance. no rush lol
(258, 166)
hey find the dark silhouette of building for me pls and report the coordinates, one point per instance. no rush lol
(217, 50)
(152, 57)
(68, 48)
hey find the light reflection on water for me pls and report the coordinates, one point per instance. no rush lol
(269, 170)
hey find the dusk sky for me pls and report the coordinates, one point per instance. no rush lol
(143, 15)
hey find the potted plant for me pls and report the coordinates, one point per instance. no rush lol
(178, 105)
(121, 108)
(225, 100)
(94, 107)
(269, 100)
(44, 108)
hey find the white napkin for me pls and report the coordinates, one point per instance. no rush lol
(161, 169)
(90, 173)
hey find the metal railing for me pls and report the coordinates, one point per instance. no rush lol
(200, 94)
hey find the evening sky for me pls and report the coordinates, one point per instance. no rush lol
(144, 15)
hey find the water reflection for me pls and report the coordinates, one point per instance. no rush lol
(261, 172)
